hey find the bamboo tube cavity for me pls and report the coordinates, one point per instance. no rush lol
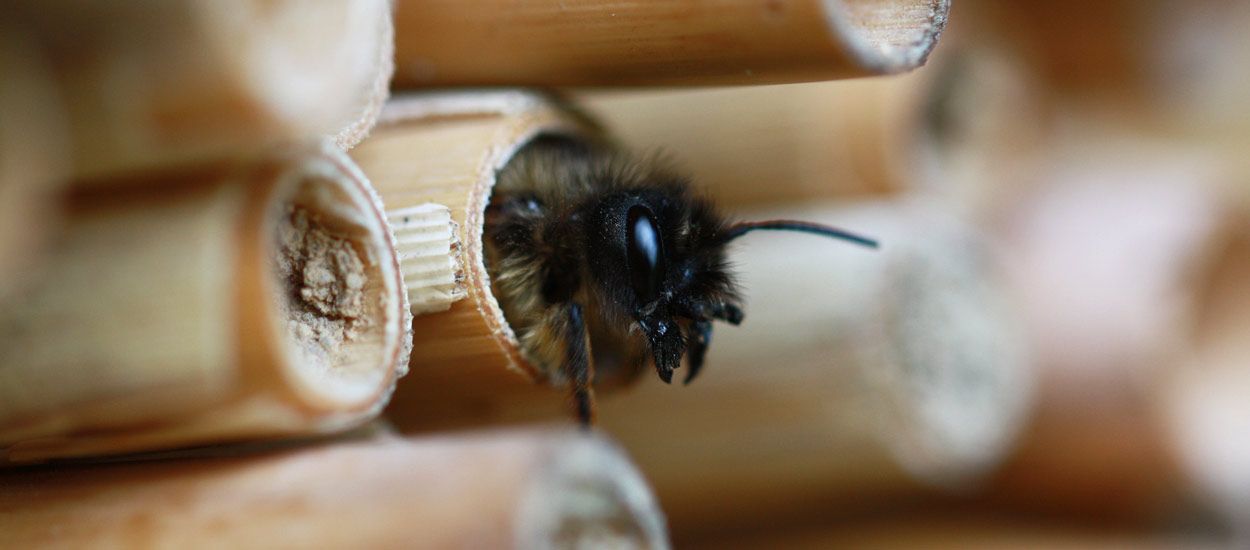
(247, 300)
(491, 490)
(336, 288)
(166, 83)
(445, 149)
(545, 42)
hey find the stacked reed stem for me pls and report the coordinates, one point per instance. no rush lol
(221, 270)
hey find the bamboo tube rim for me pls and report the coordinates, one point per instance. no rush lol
(585, 479)
(872, 45)
(529, 115)
(285, 50)
(379, 89)
(335, 389)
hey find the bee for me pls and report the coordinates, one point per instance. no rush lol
(604, 262)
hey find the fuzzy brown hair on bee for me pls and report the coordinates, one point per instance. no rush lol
(604, 263)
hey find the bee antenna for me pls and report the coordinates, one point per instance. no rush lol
(742, 228)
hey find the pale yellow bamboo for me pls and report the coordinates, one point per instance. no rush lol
(945, 128)
(151, 82)
(546, 42)
(248, 299)
(445, 149)
(500, 490)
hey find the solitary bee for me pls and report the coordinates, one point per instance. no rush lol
(603, 262)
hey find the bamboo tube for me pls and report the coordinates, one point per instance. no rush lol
(940, 128)
(1160, 59)
(502, 490)
(774, 144)
(857, 377)
(249, 300)
(32, 155)
(549, 43)
(1206, 399)
(151, 82)
(1102, 255)
(445, 149)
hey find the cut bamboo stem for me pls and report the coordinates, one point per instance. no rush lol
(444, 149)
(551, 43)
(941, 128)
(152, 83)
(858, 376)
(247, 300)
(502, 490)
(32, 155)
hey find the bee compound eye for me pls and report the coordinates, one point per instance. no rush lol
(645, 251)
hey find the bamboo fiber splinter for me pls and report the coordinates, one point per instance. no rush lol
(250, 299)
(499, 490)
(154, 82)
(548, 42)
(444, 149)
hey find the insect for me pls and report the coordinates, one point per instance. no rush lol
(603, 263)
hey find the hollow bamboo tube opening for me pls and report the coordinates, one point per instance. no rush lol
(336, 286)
(545, 42)
(491, 490)
(247, 300)
(445, 149)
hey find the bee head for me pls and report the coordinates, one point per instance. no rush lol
(657, 259)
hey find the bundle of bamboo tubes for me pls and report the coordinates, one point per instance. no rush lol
(219, 269)
(226, 249)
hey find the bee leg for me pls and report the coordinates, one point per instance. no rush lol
(577, 368)
(727, 312)
(699, 340)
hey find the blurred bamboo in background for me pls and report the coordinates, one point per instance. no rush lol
(33, 148)
(496, 490)
(1053, 328)
(148, 83)
(552, 43)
